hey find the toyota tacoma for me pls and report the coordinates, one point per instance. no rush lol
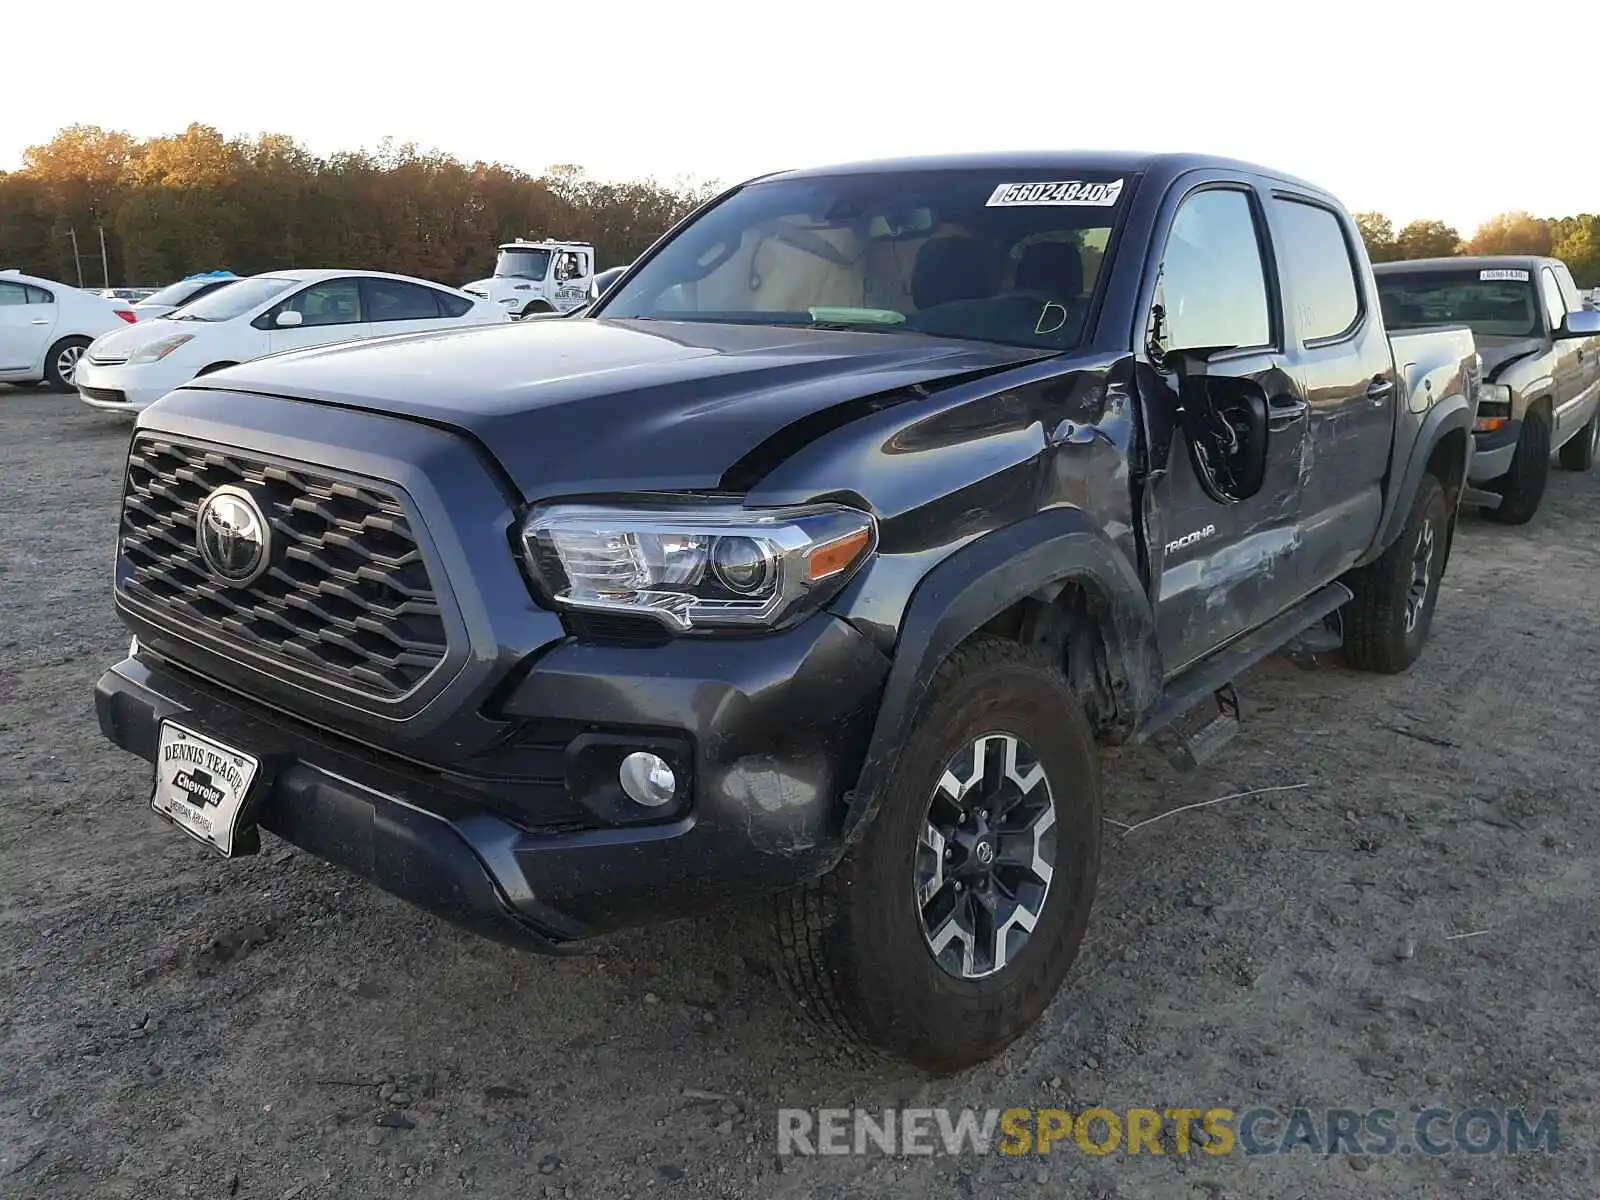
(803, 573)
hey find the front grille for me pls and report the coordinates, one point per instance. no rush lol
(111, 395)
(347, 599)
(113, 360)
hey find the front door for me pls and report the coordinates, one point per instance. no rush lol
(1570, 373)
(1225, 421)
(330, 311)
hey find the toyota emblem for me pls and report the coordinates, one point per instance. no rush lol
(233, 536)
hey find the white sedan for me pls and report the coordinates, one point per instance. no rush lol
(266, 314)
(45, 327)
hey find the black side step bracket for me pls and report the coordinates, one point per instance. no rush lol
(1481, 498)
(1214, 676)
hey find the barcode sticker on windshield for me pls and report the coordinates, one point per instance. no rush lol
(1504, 273)
(1059, 193)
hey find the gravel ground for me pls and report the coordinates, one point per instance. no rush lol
(174, 1025)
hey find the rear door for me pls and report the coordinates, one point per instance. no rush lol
(395, 306)
(1219, 560)
(27, 323)
(1340, 354)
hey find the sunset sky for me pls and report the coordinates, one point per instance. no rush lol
(1407, 106)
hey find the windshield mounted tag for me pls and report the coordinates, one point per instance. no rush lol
(1059, 193)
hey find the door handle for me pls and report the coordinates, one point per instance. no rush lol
(1284, 411)
(41, 321)
(1380, 389)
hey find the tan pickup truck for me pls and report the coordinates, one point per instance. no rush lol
(1541, 365)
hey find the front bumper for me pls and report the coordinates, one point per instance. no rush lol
(1492, 452)
(123, 387)
(775, 730)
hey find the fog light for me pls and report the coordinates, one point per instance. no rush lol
(647, 779)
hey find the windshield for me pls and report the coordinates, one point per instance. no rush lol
(177, 293)
(1002, 257)
(522, 264)
(235, 300)
(1492, 307)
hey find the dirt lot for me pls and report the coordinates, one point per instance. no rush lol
(173, 1025)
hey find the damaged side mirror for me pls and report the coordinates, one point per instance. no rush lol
(1224, 420)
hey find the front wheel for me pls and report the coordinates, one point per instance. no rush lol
(949, 928)
(1522, 487)
(61, 363)
(1388, 621)
(1578, 453)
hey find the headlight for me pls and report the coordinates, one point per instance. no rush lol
(693, 568)
(1494, 407)
(159, 349)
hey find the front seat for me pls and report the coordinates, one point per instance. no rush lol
(950, 269)
(1053, 269)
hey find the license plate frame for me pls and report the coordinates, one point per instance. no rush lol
(203, 786)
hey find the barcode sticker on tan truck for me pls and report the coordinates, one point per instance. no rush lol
(1510, 273)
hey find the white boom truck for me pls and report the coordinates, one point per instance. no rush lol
(538, 277)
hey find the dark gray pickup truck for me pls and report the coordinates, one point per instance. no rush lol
(1540, 346)
(803, 573)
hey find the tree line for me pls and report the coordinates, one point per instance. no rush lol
(197, 201)
(1574, 240)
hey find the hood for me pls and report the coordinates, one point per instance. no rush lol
(119, 343)
(1500, 353)
(505, 285)
(593, 405)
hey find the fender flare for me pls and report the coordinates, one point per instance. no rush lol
(1451, 413)
(1037, 557)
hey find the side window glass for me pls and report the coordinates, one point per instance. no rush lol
(13, 295)
(331, 302)
(1318, 269)
(1213, 290)
(1569, 289)
(37, 295)
(453, 306)
(1555, 305)
(393, 300)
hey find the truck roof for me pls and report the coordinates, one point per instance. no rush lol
(1167, 166)
(546, 244)
(1465, 262)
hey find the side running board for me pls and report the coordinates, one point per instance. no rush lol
(1214, 677)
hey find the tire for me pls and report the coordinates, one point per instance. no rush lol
(1522, 487)
(537, 306)
(217, 366)
(62, 361)
(1387, 623)
(853, 947)
(1578, 453)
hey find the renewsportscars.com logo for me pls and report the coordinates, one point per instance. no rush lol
(1368, 1133)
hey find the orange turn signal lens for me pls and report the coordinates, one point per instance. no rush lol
(1489, 424)
(838, 555)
